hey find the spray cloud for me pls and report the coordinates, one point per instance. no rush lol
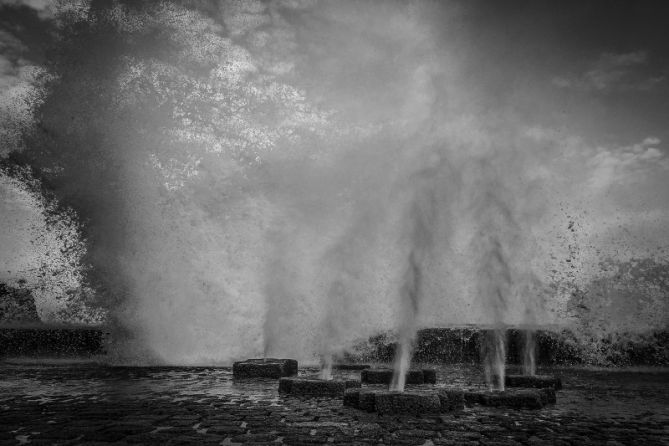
(287, 178)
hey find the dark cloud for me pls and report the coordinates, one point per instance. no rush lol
(614, 71)
(25, 32)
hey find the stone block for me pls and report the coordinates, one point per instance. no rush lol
(429, 376)
(363, 399)
(367, 401)
(376, 376)
(313, 386)
(451, 400)
(351, 383)
(285, 385)
(264, 368)
(473, 396)
(415, 377)
(385, 376)
(407, 402)
(536, 381)
(351, 366)
(516, 399)
(352, 398)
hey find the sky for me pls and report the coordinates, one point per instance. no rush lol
(586, 81)
(596, 68)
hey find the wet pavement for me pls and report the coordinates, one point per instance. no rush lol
(92, 404)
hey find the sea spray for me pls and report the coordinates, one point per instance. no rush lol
(493, 356)
(529, 349)
(274, 178)
(326, 367)
(407, 327)
(422, 217)
(497, 241)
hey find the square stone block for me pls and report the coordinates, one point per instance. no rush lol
(473, 396)
(285, 384)
(367, 400)
(351, 366)
(407, 403)
(516, 399)
(429, 376)
(315, 386)
(451, 400)
(352, 397)
(264, 368)
(376, 376)
(385, 376)
(352, 383)
(414, 377)
(536, 381)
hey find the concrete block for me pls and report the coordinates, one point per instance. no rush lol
(315, 386)
(367, 401)
(516, 399)
(376, 376)
(473, 396)
(415, 377)
(451, 400)
(385, 376)
(352, 383)
(444, 400)
(429, 376)
(536, 381)
(407, 402)
(351, 366)
(352, 397)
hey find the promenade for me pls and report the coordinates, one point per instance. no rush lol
(67, 404)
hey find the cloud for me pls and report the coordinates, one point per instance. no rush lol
(597, 168)
(626, 165)
(17, 75)
(612, 71)
(45, 8)
(616, 194)
(24, 34)
(11, 49)
(16, 99)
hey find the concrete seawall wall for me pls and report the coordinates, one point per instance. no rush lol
(50, 341)
(462, 345)
(437, 345)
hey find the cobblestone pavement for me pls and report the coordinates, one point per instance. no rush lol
(90, 404)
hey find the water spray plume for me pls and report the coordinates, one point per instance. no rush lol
(493, 352)
(529, 352)
(287, 179)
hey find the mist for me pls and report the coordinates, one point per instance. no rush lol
(289, 178)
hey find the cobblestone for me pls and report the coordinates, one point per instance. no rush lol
(89, 404)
